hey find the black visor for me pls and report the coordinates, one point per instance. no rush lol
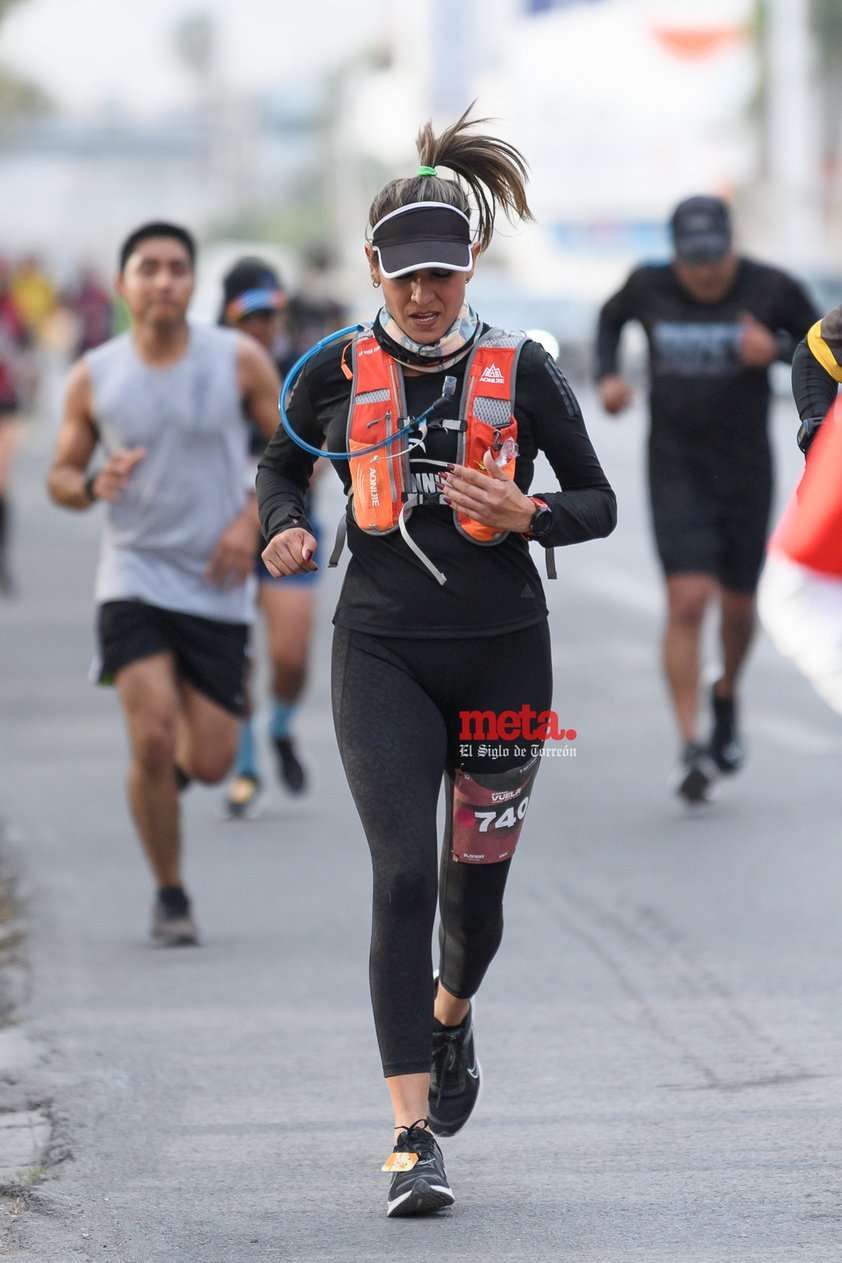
(423, 235)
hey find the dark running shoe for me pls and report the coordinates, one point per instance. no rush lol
(423, 1188)
(289, 765)
(696, 775)
(726, 747)
(172, 921)
(455, 1077)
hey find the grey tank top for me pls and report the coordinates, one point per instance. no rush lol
(190, 485)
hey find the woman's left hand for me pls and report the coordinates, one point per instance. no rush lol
(488, 497)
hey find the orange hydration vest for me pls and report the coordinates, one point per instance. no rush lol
(382, 492)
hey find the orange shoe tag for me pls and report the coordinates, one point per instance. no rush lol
(400, 1162)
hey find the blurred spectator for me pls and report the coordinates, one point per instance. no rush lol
(33, 293)
(13, 340)
(313, 311)
(36, 301)
(90, 303)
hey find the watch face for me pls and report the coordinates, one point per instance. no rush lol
(541, 521)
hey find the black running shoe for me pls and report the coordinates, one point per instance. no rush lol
(455, 1077)
(696, 775)
(289, 765)
(726, 746)
(172, 920)
(423, 1188)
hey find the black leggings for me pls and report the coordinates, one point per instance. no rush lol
(396, 708)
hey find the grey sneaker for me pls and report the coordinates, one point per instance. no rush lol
(172, 922)
(242, 802)
(696, 775)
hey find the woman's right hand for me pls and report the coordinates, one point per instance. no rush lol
(290, 552)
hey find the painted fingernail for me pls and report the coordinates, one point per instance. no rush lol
(445, 500)
(450, 468)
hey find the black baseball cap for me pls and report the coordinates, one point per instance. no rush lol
(423, 235)
(701, 229)
(251, 285)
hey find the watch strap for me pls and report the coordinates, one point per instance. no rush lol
(539, 506)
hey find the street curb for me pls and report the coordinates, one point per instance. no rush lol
(25, 1126)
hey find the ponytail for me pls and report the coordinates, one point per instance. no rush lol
(494, 172)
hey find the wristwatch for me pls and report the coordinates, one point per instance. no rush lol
(89, 486)
(542, 519)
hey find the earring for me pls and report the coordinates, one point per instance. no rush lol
(375, 284)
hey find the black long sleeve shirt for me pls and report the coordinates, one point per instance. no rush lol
(815, 383)
(489, 590)
(813, 388)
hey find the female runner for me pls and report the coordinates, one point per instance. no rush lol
(442, 618)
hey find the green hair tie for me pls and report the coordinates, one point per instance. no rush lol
(426, 171)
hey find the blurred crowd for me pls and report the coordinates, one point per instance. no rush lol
(39, 315)
(37, 311)
(50, 316)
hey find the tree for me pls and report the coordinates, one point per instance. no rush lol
(827, 27)
(19, 96)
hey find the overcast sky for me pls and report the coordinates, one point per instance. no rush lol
(87, 52)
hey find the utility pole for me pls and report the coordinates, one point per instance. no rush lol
(793, 133)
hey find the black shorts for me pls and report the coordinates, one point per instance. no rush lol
(209, 654)
(698, 530)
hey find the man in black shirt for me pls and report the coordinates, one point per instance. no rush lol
(714, 322)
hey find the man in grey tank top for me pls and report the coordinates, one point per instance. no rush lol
(168, 404)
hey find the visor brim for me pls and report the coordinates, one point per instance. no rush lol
(401, 257)
(252, 300)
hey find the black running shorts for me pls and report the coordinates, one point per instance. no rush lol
(699, 530)
(209, 654)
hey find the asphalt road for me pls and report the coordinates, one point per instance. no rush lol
(659, 1034)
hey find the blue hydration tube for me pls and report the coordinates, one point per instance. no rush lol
(413, 423)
